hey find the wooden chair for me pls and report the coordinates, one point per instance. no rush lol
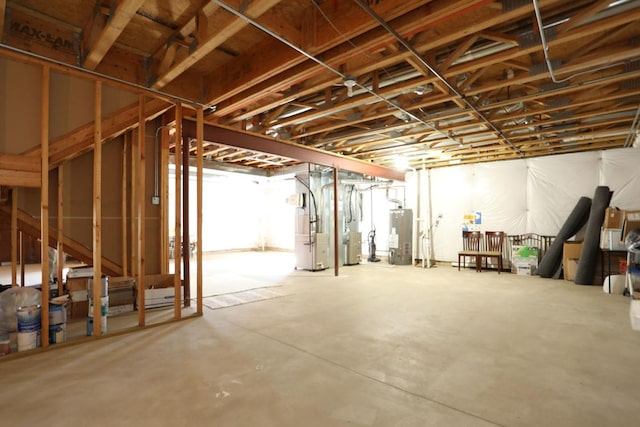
(492, 249)
(470, 248)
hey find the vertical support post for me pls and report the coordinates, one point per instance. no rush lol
(141, 204)
(14, 236)
(60, 245)
(199, 163)
(177, 240)
(44, 202)
(162, 163)
(97, 210)
(133, 203)
(336, 242)
(123, 206)
(186, 255)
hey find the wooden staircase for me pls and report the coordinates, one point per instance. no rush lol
(31, 226)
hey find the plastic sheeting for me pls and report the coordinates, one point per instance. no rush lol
(527, 196)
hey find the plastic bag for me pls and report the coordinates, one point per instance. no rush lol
(10, 300)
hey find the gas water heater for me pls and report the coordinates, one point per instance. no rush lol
(400, 236)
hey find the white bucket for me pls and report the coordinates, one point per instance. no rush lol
(29, 318)
(28, 340)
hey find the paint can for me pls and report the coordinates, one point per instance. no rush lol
(29, 318)
(57, 314)
(28, 340)
(104, 310)
(57, 333)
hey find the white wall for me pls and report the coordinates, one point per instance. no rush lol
(239, 211)
(525, 196)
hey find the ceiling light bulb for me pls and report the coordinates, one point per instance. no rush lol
(349, 82)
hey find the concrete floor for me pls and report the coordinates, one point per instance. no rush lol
(378, 346)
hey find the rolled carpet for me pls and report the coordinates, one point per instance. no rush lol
(591, 246)
(552, 259)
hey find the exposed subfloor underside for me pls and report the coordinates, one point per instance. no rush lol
(378, 346)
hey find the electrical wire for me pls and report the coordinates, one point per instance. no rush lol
(547, 58)
(313, 199)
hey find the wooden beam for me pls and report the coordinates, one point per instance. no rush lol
(200, 195)
(140, 184)
(97, 212)
(124, 11)
(80, 140)
(44, 202)
(177, 230)
(458, 52)
(581, 16)
(230, 26)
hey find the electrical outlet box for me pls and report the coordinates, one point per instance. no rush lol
(155, 200)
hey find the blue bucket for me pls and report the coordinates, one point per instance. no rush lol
(57, 314)
(29, 318)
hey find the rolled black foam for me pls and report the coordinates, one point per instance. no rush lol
(591, 246)
(550, 263)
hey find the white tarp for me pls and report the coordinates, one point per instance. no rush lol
(526, 196)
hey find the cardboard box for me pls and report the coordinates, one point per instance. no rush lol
(122, 291)
(77, 284)
(570, 255)
(159, 290)
(631, 222)
(570, 269)
(613, 218)
(611, 239)
(78, 309)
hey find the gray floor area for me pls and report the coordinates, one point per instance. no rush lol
(378, 346)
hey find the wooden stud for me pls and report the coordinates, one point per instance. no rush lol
(177, 240)
(44, 203)
(3, 8)
(123, 205)
(97, 211)
(14, 236)
(133, 191)
(141, 211)
(200, 188)
(60, 239)
(164, 198)
(336, 252)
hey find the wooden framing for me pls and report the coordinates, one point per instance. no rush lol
(199, 161)
(109, 31)
(177, 240)
(97, 211)
(140, 202)
(14, 236)
(44, 202)
(60, 238)
(123, 205)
